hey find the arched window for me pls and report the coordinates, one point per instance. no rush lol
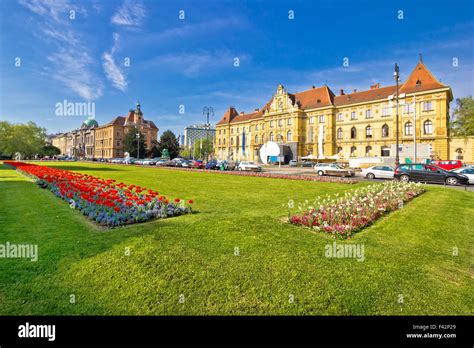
(368, 151)
(219, 142)
(459, 154)
(237, 141)
(231, 141)
(288, 136)
(385, 151)
(384, 131)
(353, 133)
(408, 128)
(271, 136)
(224, 141)
(368, 132)
(256, 139)
(338, 150)
(428, 127)
(353, 151)
(339, 133)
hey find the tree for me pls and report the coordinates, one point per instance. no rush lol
(169, 141)
(201, 147)
(26, 139)
(154, 151)
(49, 150)
(463, 120)
(130, 143)
(185, 152)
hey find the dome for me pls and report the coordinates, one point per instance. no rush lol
(90, 122)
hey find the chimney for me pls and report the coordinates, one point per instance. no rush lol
(314, 86)
(377, 85)
(257, 109)
(355, 90)
(341, 92)
(241, 112)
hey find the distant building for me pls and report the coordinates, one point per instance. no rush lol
(109, 138)
(79, 142)
(196, 132)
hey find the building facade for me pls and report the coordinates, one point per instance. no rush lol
(317, 122)
(196, 133)
(109, 138)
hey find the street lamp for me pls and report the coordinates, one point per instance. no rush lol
(206, 111)
(280, 141)
(138, 145)
(396, 75)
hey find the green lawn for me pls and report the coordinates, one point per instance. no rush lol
(408, 252)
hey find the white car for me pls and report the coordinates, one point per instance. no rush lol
(467, 171)
(332, 169)
(249, 166)
(379, 172)
(149, 162)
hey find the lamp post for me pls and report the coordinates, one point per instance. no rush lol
(206, 111)
(396, 75)
(280, 141)
(138, 145)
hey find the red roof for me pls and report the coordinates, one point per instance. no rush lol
(421, 79)
(364, 96)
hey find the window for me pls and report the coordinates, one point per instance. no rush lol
(385, 111)
(338, 150)
(408, 108)
(340, 117)
(256, 139)
(353, 133)
(384, 131)
(368, 151)
(219, 142)
(428, 106)
(322, 119)
(353, 151)
(353, 115)
(271, 124)
(368, 113)
(310, 134)
(289, 122)
(288, 136)
(339, 133)
(271, 136)
(256, 127)
(408, 128)
(231, 141)
(224, 141)
(459, 153)
(368, 132)
(280, 123)
(385, 151)
(428, 127)
(311, 120)
(219, 132)
(232, 130)
(263, 126)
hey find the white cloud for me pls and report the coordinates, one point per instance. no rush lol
(129, 14)
(113, 72)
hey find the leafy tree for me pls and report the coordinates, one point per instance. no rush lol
(130, 143)
(154, 151)
(199, 151)
(185, 152)
(169, 141)
(50, 150)
(463, 121)
(26, 139)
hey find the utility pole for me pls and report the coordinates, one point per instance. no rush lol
(206, 111)
(414, 129)
(138, 145)
(396, 75)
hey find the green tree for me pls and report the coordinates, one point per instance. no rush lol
(200, 150)
(49, 150)
(169, 141)
(463, 120)
(185, 152)
(130, 143)
(26, 139)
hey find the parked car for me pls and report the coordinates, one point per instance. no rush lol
(176, 162)
(332, 169)
(448, 165)
(379, 172)
(149, 162)
(249, 166)
(307, 164)
(162, 162)
(198, 164)
(211, 165)
(467, 171)
(138, 161)
(293, 163)
(428, 173)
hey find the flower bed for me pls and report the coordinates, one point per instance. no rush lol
(104, 201)
(342, 216)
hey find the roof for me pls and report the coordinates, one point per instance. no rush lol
(421, 79)
(90, 122)
(364, 96)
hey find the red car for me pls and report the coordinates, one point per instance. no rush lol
(197, 164)
(448, 165)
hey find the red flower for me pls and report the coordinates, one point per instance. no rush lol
(190, 201)
(177, 200)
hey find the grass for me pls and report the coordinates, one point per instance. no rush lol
(408, 252)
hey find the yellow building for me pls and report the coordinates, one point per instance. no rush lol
(360, 124)
(109, 138)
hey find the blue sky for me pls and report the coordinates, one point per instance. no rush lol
(190, 61)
